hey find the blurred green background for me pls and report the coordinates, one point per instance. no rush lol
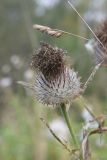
(22, 135)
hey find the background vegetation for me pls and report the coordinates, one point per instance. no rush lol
(22, 135)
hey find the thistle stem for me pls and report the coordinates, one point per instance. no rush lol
(67, 119)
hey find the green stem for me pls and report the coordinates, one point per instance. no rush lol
(67, 119)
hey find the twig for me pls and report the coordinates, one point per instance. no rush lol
(85, 104)
(85, 144)
(57, 138)
(69, 33)
(99, 131)
(99, 119)
(91, 76)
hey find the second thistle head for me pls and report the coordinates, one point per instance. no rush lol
(99, 48)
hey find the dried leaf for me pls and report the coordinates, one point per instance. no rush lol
(85, 144)
(65, 145)
(85, 148)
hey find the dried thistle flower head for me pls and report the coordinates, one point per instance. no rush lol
(49, 60)
(100, 49)
(55, 82)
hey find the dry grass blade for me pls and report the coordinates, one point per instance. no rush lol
(73, 151)
(85, 144)
(71, 5)
(99, 119)
(55, 32)
(91, 76)
(87, 108)
(94, 34)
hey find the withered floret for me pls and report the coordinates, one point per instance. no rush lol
(49, 60)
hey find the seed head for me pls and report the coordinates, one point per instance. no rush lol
(55, 82)
(100, 49)
(49, 60)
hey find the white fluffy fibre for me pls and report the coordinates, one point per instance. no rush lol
(62, 90)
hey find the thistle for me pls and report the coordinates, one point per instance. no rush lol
(99, 50)
(55, 82)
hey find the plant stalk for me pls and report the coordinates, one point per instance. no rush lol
(67, 119)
